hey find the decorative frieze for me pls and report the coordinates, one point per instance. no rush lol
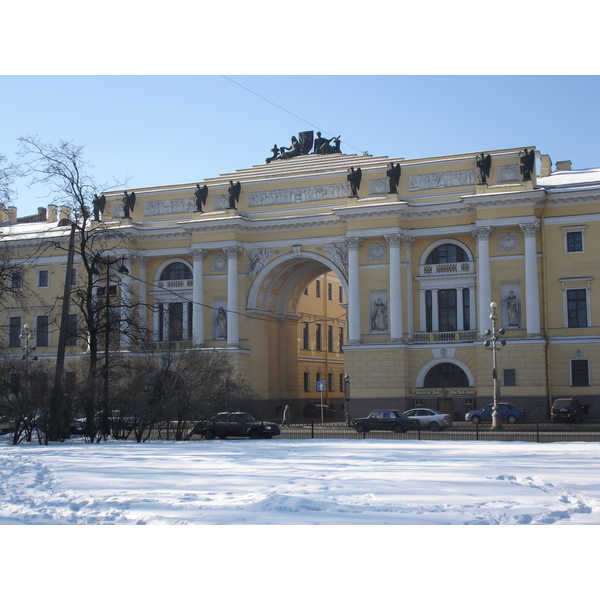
(508, 242)
(169, 207)
(508, 173)
(306, 194)
(429, 181)
(377, 251)
(379, 186)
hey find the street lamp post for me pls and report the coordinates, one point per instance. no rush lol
(492, 342)
(124, 271)
(347, 398)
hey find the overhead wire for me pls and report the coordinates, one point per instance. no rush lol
(289, 112)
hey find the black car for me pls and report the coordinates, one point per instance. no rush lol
(235, 424)
(566, 409)
(388, 420)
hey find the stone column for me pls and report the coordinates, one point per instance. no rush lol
(142, 309)
(409, 281)
(198, 297)
(532, 291)
(484, 277)
(233, 333)
(125, 341)
(394, 241)
(353, 244)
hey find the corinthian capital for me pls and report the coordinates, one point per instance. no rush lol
(233, 251)
(198, 253)
(353, 243)
(530, 229)
(482, 233)
(394, 239)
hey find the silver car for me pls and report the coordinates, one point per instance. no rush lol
(429, 418)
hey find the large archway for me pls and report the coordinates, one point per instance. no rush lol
(301, 298)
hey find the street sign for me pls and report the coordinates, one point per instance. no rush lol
(320, 386)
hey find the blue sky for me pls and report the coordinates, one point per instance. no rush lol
(161, 130)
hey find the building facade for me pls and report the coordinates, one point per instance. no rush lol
(412, 257)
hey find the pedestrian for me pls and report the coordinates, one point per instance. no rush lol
(287, 415)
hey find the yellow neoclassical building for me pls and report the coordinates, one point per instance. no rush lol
(372, 270)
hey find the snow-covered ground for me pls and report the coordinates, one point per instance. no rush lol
(280, 483)
(307, 482)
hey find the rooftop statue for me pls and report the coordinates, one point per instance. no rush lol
(323, 146)
(393, 175)
(98, 206)
(234, 193)
(201, 194)
(354, 178)
(484, 164)
(128, 204)
(303, 144)
(527, 163)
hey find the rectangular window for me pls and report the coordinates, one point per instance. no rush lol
(319, 378)
(447, 310)
(14, 331)
(577, 308)
(428, 311)
(306, 291)
(330, 347)
(574, 241)
(319, 337)
(306, 336)
(73, 277)
(510, 377)
(341, 294)
(466, 309)
(318, 288)
(330, 382)
(342, 340)
(330, 292)
(161, 322)
(16, 280)
(72, 331)
(307, 382)
(580, 373)
(43, 278)
(41, 331)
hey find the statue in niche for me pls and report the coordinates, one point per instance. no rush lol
(200, 194)
(354, 178)
(484, 165)
(258, 259)
(512, 309)
(379, 319)
(221, 323)
(98, 206)
(393, 175)
(234, 193)
(526, 163)
(128, 204)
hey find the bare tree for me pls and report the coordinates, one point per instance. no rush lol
(7, 177)
(171, 390)
(62, 169)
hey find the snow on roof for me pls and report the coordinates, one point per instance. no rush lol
(570, 178)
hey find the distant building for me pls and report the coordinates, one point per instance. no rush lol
(411, 276)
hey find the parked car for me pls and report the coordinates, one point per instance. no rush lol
(78, 427)
(6, 425)
(385, 420)
(566, 409)
(508, 413)
(313, 411)
(429, 418)
(235, 424)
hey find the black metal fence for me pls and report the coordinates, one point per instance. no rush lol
(528, 432)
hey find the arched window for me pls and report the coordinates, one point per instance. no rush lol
(446, 375)
(447, 253)
(175, 271)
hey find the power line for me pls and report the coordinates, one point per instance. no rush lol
(286, 110)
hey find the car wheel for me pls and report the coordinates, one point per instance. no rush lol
(222, 437)
(209, 434)
(434, 426)
(254, 434)
(398, 429)
(360, 428)
(267, 436)
(476, 420)
(512, 419)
